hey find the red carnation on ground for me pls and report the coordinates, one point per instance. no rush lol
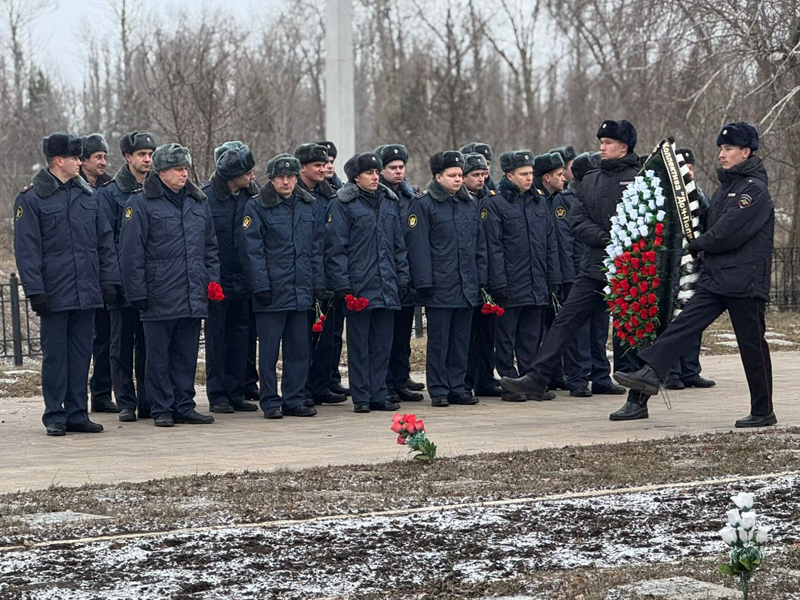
(215, 293)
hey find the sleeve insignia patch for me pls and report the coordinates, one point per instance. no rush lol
(19, 213)
(246, 222)
(128, 213)
(330, 217)
(484, 214)
(745, 201)
(412, 221)
(561, 212)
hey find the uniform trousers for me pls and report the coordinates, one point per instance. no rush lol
(448, 350)
(369, 342)
(128, 357)
(480, 365)
(688, 366)
(286, 330)
(326, 352)
(227, 338)
(101, 382)
(400, 355)
(251, 373)
(517, 334)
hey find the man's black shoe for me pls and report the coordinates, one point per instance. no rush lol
(699, 382)
(439, 402)
(243, 406)
(276, 413)
(301, 410)
(222, 407)
(194, 418)
(674, 384)
(526, 386)
(56, 430)
(609, 390)
(414, 386)
(384, 406)
(309, 402)
(407, 395)
(127, 415)
(558, 383)
(548, 395)
(338, 388)
(629, 412)
(462, 399)
(757, 421)
(85, 427)
(164, 421)
(391, 396)
(645, 379)
(104, 406)
(512, 397)
(361, 408)
(251, 393)
(581, 392)
(328, 397)
(494, 391)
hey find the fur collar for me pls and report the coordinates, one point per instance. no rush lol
(126, 182)
(152, 189)
(45, 184)
(223, 192)
(323, 188)
(270, 198)
(439, 194)
(351, 191)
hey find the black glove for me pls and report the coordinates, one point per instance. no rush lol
(139, 304)
(557, 290)
(39, 303)
(264, 298)
(109, 294)
(693, 249)
(499, 293)
(341, 294)
(402, 292)
(426, 292)
(321, 295)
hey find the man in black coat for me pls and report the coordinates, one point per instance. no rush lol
(736, 250)
(601, 190)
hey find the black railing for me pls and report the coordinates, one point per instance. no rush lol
(785, 289)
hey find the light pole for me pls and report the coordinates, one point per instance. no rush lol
(339, 75)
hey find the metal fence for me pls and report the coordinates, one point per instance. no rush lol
(785, 289)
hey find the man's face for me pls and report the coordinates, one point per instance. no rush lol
(730, 156)
(554, 180)
(329, 168)
(140, 161)
(368, 180)
(284, 184)
(486, 174)
(522, 178)
(691, 169)
(568, 172)
(95, 165)
(451, 179)
(314, 172)
(394, 172)
(612, 149)
(242, 181)
(474, 180)
(174, 178)
(70, 166)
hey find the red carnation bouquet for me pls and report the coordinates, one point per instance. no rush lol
(215, 293)
(355, 304)
(320, 322)
(490, 307)
(411, 432)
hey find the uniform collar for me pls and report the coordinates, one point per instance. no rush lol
(270, 198)
(439, 194)
(45, 184)
(223, 192)
(152, 189)
(126, 181)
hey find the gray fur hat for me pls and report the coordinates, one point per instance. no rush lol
(330, 146)
(392, 152)
(567, 153)
(311, 153)
(62, 144)
(480, 148)
(137, 140)
(544, 163)
(169, 156)
(515, 159)
(446, 159)
(283, 164)
(93, 143)
(358, 163)
(233, 159)
(474, 162)
(741, 134)
(583, 163)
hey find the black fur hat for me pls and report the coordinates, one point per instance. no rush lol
(446, 159)
(137, 140)
(93, 143)
(480, 148)
(474, 161)
(283, 164)
(311, 153)
(233, 159)
(544, 163)
(62, 144)
(622, 130)
(515, 159)
(169, 156)
(688, 155)
(741, 134)
(358, 163)
(583, 163)
(392, 152)
(331, 148)
(567, 153)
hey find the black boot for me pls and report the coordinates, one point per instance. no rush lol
(525, 385)
(645, 379)
(634, 408)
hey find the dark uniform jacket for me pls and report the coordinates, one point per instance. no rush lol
(112, 197)
(228, 212)
(63, 244)
(447, 248)
(522, 246)
(168, 254)
(569, 261)
(405, 196)
(281, 249)
(739, 229)
(601, 190)
(365, 252)
(101, 180)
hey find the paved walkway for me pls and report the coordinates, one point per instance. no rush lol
(139, 451)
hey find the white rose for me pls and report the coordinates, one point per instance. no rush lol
(655, 182)
(733, 517)
(748, 520)
(649, 173)
(618, 251)
(640, 221)
(646, 194)
(642, 209)
(660, 215)
(729, 535)
(643, 230)
(743, 535)
(743, 500)
(659, 201)
(612, 268)
(762, 535)
(606, 290)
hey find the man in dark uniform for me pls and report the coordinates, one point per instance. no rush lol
(393, 175)
(282, 238)
(365, 255)
(480, 366)
(330, 167)
(568, 155)
(93, 171)
(523, 267)
(65, 255)
(601, 190)
(447, 255)
(169, 259)
(127, 333)
(228, 324)
(486, 151)
(736, 250)
(313, 164)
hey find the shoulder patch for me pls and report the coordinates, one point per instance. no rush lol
(745, 200)
(105, 183)
(492, 193)
(330, 217)
(484, 214)
(128, 213)
(541, 193)
(412, 220)
(561, 212)
(246, 222)
(19, 213)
